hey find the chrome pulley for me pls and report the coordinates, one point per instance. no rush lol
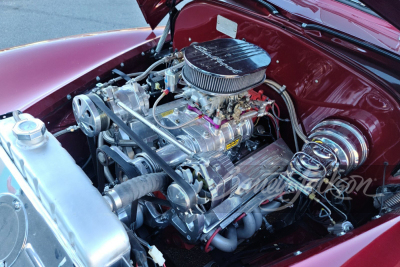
(90, 119)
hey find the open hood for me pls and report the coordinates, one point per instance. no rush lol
(387, 9)
(155, 10)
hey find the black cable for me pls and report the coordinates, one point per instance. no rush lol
(273, 112)
(385, 164)
(358, 6)
(268, 6)
(137, 249)
(173, 12)
(98, 182)
(87, 162)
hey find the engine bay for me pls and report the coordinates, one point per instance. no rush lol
(193, 147)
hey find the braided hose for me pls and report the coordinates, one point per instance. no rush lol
(292, 112)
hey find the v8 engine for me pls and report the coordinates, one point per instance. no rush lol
(198, 146)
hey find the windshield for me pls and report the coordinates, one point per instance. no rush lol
(351, 17)
(359, 5)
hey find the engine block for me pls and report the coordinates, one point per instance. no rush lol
(228, 187)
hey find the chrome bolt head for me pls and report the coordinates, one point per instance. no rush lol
(17, 205)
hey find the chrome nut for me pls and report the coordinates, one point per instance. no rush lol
(30, 130)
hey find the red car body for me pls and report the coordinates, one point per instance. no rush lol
(326, 77)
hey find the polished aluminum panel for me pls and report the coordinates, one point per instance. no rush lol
(227, 26)
(73, 204)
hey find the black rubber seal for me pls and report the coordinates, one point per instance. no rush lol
(268, 6)
(351, 40)
(123, 75)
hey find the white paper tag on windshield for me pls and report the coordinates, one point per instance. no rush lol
(227, 26)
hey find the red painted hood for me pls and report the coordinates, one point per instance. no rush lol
(155, 10)
(387, 9)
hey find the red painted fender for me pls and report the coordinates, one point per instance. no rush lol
(372, 244)
(44, 73)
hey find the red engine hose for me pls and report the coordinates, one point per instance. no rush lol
(278, 196)
(277, 108)
(207, 247)
(239, 218)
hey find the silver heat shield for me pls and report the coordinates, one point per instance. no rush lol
(225, 66)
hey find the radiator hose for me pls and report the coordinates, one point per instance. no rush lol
(127, 192)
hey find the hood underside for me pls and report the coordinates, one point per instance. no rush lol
(387, 9)
(155, 10)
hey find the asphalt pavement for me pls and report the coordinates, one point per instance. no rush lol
(27, 21)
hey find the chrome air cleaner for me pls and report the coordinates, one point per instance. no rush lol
(225, 66)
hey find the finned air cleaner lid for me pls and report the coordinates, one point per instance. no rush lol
(225, 66)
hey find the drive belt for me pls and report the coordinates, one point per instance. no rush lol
(130, 170)
(161, 163)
